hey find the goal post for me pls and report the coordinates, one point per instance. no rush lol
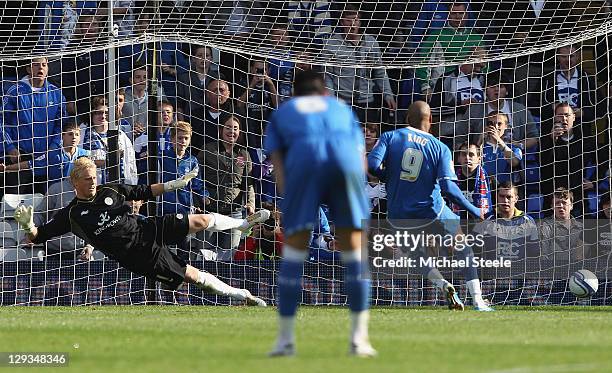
(211, 64)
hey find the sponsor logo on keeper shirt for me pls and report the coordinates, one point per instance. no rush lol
(110, 224)
(103, 218)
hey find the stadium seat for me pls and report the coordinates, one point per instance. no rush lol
(11, 255)
(11, 201)
(532, 177)
(592, 202)
(535, 203)
(7, 235)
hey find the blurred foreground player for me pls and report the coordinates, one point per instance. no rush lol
(418, 168)
(101, 216)
(317, 148)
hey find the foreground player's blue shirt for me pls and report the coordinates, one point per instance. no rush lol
(414, 161)
(315, 129)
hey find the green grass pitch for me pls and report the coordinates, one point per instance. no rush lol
(236, 339)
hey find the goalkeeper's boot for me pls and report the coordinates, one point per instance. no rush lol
(258, 217)
(363, 349)
(252, 300)
(452, 298)
(283, 349)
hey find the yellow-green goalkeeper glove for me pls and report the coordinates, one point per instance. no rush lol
(181, 182)
(25, 217)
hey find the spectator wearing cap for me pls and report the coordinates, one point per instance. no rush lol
(521, 124)
(453, 94)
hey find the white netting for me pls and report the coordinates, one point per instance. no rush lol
(206, 61)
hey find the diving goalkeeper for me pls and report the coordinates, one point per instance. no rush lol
(100, 216)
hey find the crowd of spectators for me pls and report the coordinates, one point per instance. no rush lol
(213, 106)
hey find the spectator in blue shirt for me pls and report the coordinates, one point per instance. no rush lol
(166, 122)
(55, 165)
(501, 159)
(32, 112)
(175, 163)
(280, 67)
(311, 21)
(59, 20)
(30, 123)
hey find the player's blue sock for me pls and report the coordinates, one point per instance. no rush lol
(289, 280)
(355, 282)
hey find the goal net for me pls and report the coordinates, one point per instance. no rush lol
(519, 91)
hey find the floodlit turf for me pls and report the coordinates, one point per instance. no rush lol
(236, 339)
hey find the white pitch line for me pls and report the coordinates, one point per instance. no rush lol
(549, 369)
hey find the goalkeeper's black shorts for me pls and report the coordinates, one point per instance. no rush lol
(153, 258)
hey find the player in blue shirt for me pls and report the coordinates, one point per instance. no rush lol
(317, 148)
(418, 168)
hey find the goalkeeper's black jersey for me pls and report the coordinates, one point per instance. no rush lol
(104, 221)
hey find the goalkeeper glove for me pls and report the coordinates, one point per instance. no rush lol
(25, 217)
(181, 182)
